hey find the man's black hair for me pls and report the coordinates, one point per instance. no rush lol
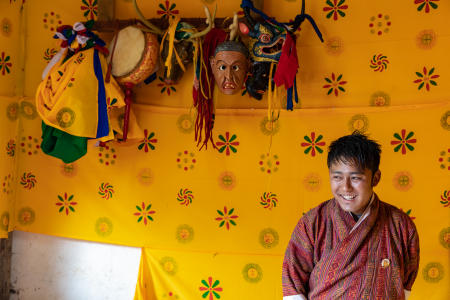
(355, 148)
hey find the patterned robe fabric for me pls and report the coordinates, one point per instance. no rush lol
(326, 259)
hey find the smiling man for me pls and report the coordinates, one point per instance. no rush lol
(353, 246)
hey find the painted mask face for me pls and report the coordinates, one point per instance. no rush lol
(229, 69)
(266, 42)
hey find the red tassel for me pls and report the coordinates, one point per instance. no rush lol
(288, 64)
(204, 103)
(128, 95)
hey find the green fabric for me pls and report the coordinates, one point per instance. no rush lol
(62, 145)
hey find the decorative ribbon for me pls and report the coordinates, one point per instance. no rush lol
(171, 33)
(272, 96)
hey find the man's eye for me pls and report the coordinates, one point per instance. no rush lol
(222, 68)
(356, 178)
(236, 68)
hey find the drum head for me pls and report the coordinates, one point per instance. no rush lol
(128, 52)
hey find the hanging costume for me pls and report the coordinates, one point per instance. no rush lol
(331, 256)
(73, 100)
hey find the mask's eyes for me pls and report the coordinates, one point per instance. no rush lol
(222, 67)
(235, 68)
(265, 38)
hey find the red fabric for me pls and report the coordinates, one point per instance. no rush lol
(288, 64)
(205, 105)
(324, 260)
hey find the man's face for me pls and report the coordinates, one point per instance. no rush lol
(229, 69)
(352, 187)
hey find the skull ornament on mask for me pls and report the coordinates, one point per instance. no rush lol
(229, 66)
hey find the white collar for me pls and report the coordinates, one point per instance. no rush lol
(364, 214)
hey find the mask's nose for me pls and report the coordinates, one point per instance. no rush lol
(228, 73)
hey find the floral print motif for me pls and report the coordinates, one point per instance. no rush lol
(90, 9)
(426, 78)
(210, 289)
(334, 9)
(28, 180)
(379, 24)
(226, 217)
(106, 190)
(168, 10)
(144, 213)
(334, 84)
(65, 203)
(227, 143)
(268, 200)
(5, 64)
(166, 87)
(148, 141)
(379, 63)
(312, 144)
(404, 141)
(185, 197)
(426, 4)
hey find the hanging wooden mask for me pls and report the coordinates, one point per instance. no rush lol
(265, 45)
(229, 66)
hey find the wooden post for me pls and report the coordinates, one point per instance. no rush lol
(5, 266)
(106, 10)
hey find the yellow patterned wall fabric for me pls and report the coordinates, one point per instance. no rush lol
(8, 159)
(239, 203)
(215, 223)
(10, 28)
(10, 22)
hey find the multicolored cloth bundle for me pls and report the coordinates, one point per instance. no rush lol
(73, 100)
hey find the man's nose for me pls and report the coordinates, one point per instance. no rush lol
(348, 184)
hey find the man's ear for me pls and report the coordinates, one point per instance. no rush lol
(212, 61)
(376, 178)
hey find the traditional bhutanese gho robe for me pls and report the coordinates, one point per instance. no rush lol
(331, 256)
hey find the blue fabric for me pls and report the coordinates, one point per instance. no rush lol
(150, 78)
(290, 91)
(103, 126)
(289, 103)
